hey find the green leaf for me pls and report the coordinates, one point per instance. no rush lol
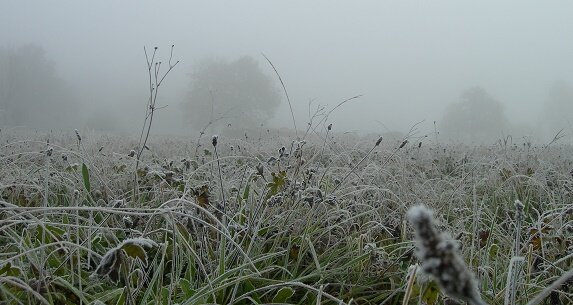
(283, 295)
(10, 270)
(277, 184)
(107, 296)
(165, 295)
(71, 294)
(86, 176)
(122, 298)
(431, 294)
(183, 231)
(186, 288)
(247, 191)
(250, 287)
(493, 249)
(5, 268)
(134, 250)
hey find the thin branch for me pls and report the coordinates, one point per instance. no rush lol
(286, 93)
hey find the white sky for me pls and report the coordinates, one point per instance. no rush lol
(409, 58)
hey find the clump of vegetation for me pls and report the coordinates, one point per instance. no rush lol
(275, 220)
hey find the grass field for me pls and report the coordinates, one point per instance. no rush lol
(270, 219)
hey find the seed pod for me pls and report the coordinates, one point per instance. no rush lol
(78, 135)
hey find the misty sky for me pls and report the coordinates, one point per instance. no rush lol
(410, 59)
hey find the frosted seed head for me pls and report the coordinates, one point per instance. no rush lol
(519, 206)
(214, 140)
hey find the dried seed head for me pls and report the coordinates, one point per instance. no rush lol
(127, 221)
(440, 258)
(378, 141)
(403, 144)
(214, 140)
(78, 135)
(519, 206)
(260, 169)
(329, 127)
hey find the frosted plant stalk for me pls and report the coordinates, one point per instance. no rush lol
(440, 259)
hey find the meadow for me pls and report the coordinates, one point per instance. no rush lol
(267, 218)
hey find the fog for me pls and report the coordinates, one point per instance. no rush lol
(410, 60)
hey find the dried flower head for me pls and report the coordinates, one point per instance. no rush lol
(440, 258)
(78, 135)
(214, 140)
(519, 206)
(76, 194)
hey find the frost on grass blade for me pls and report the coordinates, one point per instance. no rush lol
(440, 258)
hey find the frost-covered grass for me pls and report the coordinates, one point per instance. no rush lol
(304, 222)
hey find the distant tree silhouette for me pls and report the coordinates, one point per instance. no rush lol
(236, 93)
(31, 93)
(558, 108)
(478, 117)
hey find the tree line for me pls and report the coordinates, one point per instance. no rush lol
(237, 95)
